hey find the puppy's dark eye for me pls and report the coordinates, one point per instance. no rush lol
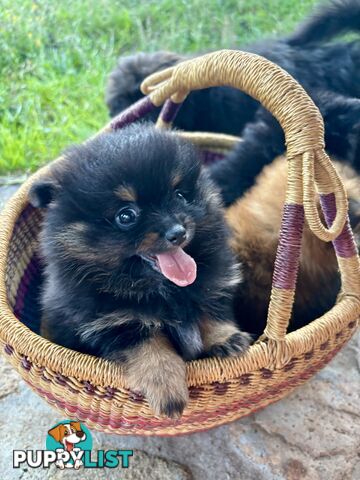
(180, 195)
(126, 218)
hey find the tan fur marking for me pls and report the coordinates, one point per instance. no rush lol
(148, 241)
(255, 222)
(176, 179)
(72, 242)
(216, 333)
(126, 193)
(74, 245)
(115, 319)
(79, 227)
(158, 372)
(45, 330)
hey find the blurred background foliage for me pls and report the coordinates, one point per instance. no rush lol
(55, 57)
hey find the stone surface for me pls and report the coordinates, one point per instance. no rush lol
(142, 467)
(313, 434)
(10, 379)
(5, 193)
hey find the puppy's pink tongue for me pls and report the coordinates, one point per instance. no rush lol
(178, 267)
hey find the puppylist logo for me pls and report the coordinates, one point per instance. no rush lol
(69, 445)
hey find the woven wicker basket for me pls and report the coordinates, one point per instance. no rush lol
(94, 390)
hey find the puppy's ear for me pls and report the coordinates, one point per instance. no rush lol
(57, 432)
(43, 192)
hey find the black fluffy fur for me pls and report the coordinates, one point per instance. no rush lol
(101, 296)
(330, 73)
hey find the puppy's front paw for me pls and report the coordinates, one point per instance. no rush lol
(169, 400)
(223, 339)
(159, 373)
(236, 344)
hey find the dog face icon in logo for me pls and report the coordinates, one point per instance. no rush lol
(68, 435)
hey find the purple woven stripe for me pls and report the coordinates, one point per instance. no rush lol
(288, 252)
(169, 111)
(133, 113)
(25, 214)
(344, 244)
(24, 285)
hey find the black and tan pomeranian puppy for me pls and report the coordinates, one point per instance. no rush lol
(255, 223)
(329, 72)
(138, 268)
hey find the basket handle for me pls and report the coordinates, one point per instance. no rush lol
(310, 169)
(280, 94)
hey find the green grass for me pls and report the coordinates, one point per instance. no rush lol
(55, 56)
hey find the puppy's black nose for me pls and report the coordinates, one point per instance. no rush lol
(80, 434)
(176, 234)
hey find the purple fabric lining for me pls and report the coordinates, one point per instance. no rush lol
(288, 252)
(169, 111)
(133, 113)
(344, 244)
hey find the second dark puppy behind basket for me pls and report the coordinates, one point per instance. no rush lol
(330, 73)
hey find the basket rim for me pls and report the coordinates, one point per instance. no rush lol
(84, 367)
